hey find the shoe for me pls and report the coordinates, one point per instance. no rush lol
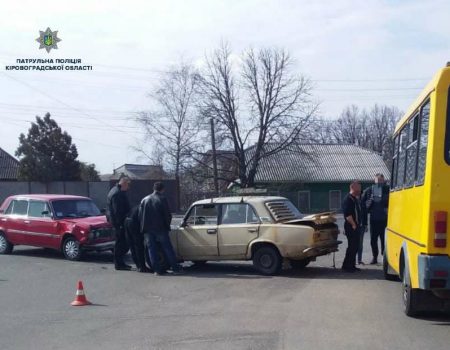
(178, 272)
(143, 269)
(356, 269)
(374, 261)
(361, 263)
(158, 273)
(123, 267)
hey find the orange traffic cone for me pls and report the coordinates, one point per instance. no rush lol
(80, 298)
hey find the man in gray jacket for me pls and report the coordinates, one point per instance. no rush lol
(155, 218)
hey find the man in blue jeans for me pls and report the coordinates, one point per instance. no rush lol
(155, 218)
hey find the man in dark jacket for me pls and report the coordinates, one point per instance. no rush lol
(118, 208)
(155, 218)
(136, 239)
(375, 200)
(351, 208)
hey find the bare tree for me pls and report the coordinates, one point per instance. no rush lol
(171, 125)
(278, 104)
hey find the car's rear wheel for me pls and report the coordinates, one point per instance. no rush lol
(300, 264)
(267, 260)
(71, 249)
(5, 246)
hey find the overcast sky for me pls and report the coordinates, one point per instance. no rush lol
(356, 52)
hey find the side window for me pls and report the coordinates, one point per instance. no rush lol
(395, 163)
(37, 208)
(403, 142)
(238, 213)
(205, 214)
(423, 142)
(20, 207)
(411, 152)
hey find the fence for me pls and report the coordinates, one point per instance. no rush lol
(98, 191)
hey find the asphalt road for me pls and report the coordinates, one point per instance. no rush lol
(219, 306)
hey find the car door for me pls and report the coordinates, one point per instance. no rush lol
(16, 222)
(239, 226)
(197, 238)
(41, 225)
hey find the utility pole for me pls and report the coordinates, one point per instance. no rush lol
(214, 157)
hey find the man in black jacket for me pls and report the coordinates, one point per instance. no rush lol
(375, 201)
(136, 240)
(155, 218)
(118, 208)
(351, 208)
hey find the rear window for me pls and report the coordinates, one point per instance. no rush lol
(447, 131)
(283, 210)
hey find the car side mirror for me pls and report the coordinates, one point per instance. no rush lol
(184, 224)
(45, 213)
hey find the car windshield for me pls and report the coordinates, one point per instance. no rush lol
(75, 208)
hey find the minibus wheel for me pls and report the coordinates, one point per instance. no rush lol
(409, 296)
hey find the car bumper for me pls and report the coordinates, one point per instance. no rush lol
(434, 272)
(99, 246)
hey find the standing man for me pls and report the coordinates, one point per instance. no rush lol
(135, 239)
(155, 219)
(118, 207)
(375, 200)
(351, 208)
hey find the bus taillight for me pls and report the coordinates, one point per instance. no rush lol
(440, 229)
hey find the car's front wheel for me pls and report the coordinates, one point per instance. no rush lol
(267, 260)
(71, 249)
(5, 246)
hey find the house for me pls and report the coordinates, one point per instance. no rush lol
(316, 177)
(9, 166)
(137, 172)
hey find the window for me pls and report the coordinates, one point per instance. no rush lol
(423, 142)
(238, 214)
(304, 198)
(403, 143)
(37, 208)
(411, 152)
(335, 200)
(283, 210)
(447, 130)
(75, 208)
(10, 208)
(394, 163)
(20, 207)
(205, 214)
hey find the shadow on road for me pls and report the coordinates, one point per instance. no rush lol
(436, 318)
(46, 253)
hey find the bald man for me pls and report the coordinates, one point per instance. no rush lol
(351, 207)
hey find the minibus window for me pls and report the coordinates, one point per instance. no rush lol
(394, 163)
(423, 142)
(447, 131)
(411, 152)
(403, 143)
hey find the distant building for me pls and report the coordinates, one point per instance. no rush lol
(137, 172)
(9, 166)
(315, 177)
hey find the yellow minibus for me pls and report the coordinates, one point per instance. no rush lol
(417, 244)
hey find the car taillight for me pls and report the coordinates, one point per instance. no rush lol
(440, 229)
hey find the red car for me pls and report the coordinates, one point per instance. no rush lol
(71, 224)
